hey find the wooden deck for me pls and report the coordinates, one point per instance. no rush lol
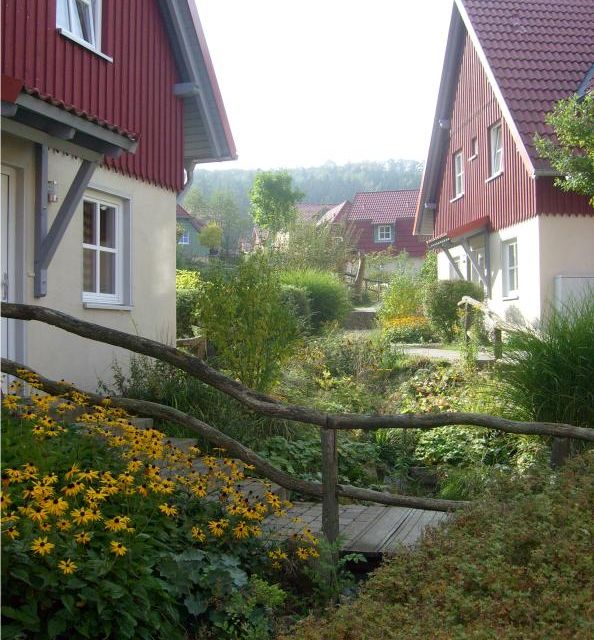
(371, 530)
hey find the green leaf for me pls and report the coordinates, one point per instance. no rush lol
(68, 602)
(57, 625)
(195, 604)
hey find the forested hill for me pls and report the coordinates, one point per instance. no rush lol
(328, 184)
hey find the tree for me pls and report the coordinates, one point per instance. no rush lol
(571, 151)
(211, 236)
(196, 203)
(273, 200)
(224, 209)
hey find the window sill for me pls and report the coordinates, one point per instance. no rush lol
(510, 297)
(108, 306)
(457, 198)
(83, 43)
(383, 241)
(473, 157)
(493, 177)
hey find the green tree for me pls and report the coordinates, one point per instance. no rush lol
(211, 236)
(571, 150)
(196, 203)
(273, 200)
(224, 209)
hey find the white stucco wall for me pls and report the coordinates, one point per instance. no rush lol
(548, 246)
(56, 353)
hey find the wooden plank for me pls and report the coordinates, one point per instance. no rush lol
(373, 536)
(330, 517)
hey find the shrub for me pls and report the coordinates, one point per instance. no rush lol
(403, 297)
(187, 303)
(244, 317)
(187, 279)
(515, 566)
(441, 305)
(547, 373)
(328, 295)
(297, 300)
(408, 329)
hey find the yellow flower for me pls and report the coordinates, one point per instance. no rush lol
(302, 553)
(118, 523)
(82, 515)
(5, 501)
(45, 527)
(73, 469)
(73, 489)
(88, 475)
(198, 534)
(168, 510)
(67, 566)
(241, 530)
(41, 546)
(56, 506)
(217, 527)
(134, 465)
(199, 489)
(256, 531)
(37, 513)
(29, 471)
(12, 532)
(118, 548)
(14, 475)
(64, 525)
(51, 478)
(84, 537)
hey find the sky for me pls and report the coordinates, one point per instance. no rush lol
(306, 82)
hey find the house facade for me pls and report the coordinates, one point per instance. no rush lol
(189, 247)
(106, 108)
(487, 202)
(381, 221)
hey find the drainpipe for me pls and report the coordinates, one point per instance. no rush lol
(189, 168)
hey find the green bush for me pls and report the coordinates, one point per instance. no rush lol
(547, 373)
(244, 317)
(408, 329)
(441, 305)
(187, 279)
(515, 566)
(297, 300)
(187, 303)
(404, 295)
(328, 295)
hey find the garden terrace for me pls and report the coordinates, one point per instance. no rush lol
(329, 489)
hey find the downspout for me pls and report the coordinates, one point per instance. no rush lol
(189, 169)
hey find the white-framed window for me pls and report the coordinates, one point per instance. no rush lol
(384, 233)
(510, 267)
(185, 237)
(453, 273)
(105, 252)
(81, 20)
(474, 148)
(479, 256)
(495, 149)
(458, 174)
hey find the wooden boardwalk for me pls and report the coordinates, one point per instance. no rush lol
(371, 530)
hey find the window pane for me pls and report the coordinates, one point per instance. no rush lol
(89, 278)
(107, 227)
(85, 21)
(89, 223)
(62, 19)
(107, 262)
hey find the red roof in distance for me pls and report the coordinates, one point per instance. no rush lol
(384, 207)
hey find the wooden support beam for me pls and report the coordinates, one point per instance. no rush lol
(453, 263)
(40, 277)
(71, 201)
(474, 263)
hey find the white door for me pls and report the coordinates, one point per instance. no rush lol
(7, 198)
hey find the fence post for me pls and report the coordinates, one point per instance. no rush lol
(497, 344)
(329, 482)
(467, 323)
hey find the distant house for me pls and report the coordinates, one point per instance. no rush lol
(106, 108)
(311, 212)
(487, 201)
(381, 220)
(188, 242)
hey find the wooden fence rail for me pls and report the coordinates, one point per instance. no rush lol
(329, 489)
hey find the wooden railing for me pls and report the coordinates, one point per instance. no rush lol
(329, 489)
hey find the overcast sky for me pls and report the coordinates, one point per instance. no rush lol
(310, 81)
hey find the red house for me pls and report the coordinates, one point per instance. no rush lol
(381, 220)
(107, 105)
(487, 200)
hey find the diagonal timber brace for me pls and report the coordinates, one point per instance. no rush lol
(47, 241)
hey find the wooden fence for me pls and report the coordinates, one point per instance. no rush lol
(329, 490)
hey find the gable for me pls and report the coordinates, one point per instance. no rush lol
(506, 199)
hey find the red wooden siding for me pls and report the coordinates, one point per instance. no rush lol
(508, 198)
(551, 200)
(135, 92)
(405, 241)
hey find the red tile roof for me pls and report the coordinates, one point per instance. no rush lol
(539, 51)
(384, 207)
(337, 214)
(309, 212)
(183, 214)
